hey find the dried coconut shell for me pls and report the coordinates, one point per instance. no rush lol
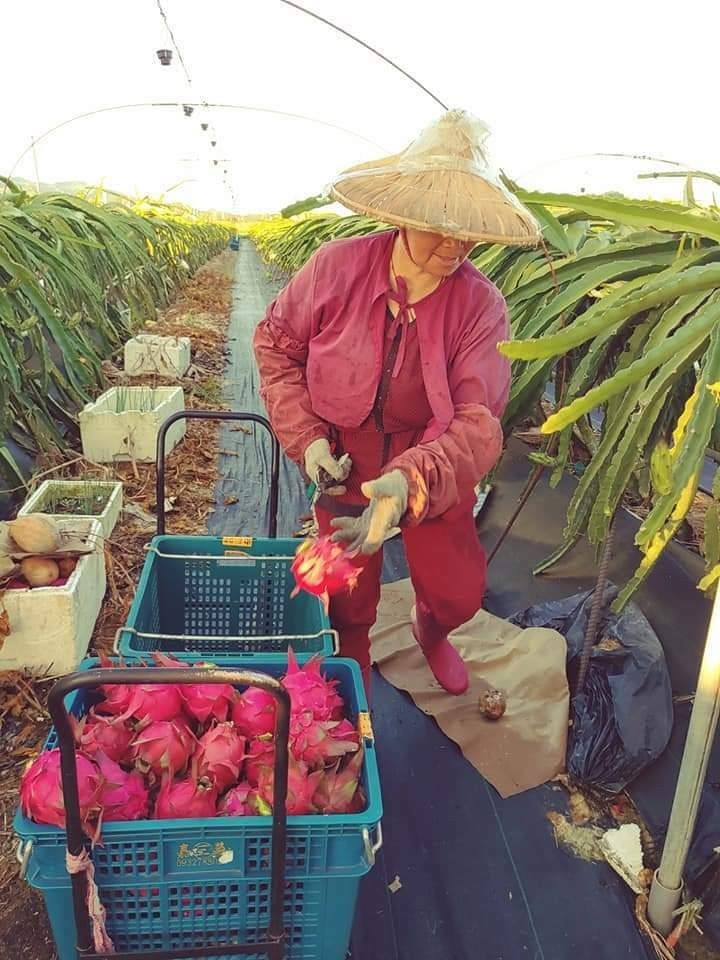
(74, 542)
(35, 533)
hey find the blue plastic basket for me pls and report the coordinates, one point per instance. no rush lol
(170, 884)
(221, 597)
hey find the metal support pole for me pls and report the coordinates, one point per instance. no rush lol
(667, 882)
(35, 165)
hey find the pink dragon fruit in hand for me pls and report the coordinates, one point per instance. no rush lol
(165, 745)
(323, 568)
(41, 793)
(253, 713)
(261, 754)
(243, 801)
(109, 735)
(301, 787)
(316, 742)
(309, 690)
(124, 796)
(220, 755)
(339, 789)
(185, 798)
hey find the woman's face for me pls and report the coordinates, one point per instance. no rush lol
(435, 253)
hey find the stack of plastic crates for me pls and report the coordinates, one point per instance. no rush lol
(192, 883)
(177, 885)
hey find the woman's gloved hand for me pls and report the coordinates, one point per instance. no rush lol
(322, 468)
(388, 496)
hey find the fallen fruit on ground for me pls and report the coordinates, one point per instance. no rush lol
(492, 704)
(35, 533)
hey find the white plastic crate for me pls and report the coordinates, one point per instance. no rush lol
(123, 423)
(50, 491)
(148, 353)
(51, 627)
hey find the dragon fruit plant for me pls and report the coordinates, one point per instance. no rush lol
(160, 751)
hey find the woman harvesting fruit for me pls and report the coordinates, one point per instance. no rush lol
(382, 351)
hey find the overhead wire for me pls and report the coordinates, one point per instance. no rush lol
(367, 46)
(203, 100)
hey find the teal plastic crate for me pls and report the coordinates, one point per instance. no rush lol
(221, 597)
(170, 884)
(209, 912)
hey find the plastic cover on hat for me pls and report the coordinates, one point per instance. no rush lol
(444, 182)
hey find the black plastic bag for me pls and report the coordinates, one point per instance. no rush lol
(622, 720)
(702, 870)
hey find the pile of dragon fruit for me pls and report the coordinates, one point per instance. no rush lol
(165, 751)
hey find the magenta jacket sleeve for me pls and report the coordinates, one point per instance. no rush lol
(445, 471)
(281, 348)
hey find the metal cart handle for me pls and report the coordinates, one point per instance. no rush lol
(274, 945)
(216, 415)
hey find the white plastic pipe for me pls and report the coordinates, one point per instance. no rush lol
(667, 882)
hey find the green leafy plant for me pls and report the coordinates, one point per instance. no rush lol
(76, 280)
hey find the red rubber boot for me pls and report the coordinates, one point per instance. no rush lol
(443, 659)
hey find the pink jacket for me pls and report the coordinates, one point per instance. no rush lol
(319, 352)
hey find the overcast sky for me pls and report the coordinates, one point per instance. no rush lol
(556, 81)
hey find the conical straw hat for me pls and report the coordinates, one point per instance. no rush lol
(442, 182)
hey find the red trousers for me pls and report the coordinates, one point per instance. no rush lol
(447, 569)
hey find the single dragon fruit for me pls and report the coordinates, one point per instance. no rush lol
(165, 745)
(203, 701)
(318, 742)
(191, 797)
(220, 755)
(41, 793)
(309, 690)
(163, 660)
(301, 787)
(117, 695)
(260, 753)
(323, 568)
(145, 701)
(243, 801)
(253, 713)
(107, 734)
(124, 796)
(206, 701)
(339, 789)
(154, 701)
